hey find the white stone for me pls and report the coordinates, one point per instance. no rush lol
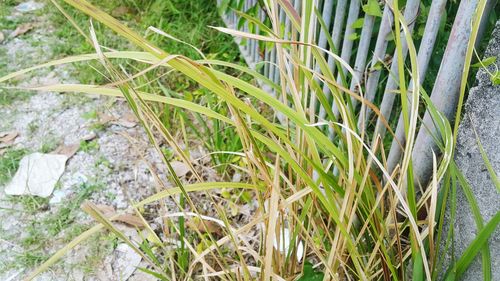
(284, 246)
(58, 196)
(37, 175)
(126, 261)
(29, 6)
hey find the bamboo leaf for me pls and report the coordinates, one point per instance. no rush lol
(372, 8)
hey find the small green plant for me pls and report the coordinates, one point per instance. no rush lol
(65, 215)
(102, 161)
(30, 204)
(40, 233)
(32, 127)
(9, 162)
(30, 258)
(89, 146)
(49, 144)
(90, 115)
(309, 274)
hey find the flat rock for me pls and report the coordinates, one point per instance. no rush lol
(37, 175)
(126, 262)
(29, 6)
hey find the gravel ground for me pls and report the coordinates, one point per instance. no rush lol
(114, 164)
(116, 160)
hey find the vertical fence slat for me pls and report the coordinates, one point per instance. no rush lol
(378, 54)
(246, 46)
(267, 50)
(447, 84)
(326, 15)
(411, 11)
(272, 62)
(362, 54)
(298, 7)
(282, 16)
(347, 44)
(251, 42)
(338, 24)
(256, 56)
(425, 51)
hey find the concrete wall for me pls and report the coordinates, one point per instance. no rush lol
(482, 113)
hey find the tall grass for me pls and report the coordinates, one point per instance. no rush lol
(329, 203)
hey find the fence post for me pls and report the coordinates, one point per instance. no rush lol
(445, 92)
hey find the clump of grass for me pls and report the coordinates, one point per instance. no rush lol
(30, 204)
(49, 144)
(89, 146)
(9, 162)
(66, 214)
(188, 21)
(30, 259)
(39, 234)
(329, 201)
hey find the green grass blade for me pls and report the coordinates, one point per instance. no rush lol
(473, 249)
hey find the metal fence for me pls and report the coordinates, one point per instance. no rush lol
(362, 53)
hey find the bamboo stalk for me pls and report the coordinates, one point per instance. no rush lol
(445, 92)
(424, 55)
(378, 55)
(326, 14)
(411, 12)
(338, 24)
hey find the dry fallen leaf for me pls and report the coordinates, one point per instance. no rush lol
(208, 227)
(130, 117)
(131, 220)
(68, 150)
(128, 219)
(89, 136)
(180, 168)
(7, 138)
(124, 123)
(106, 210)
(21, 29)
(127, 120)
(105, 118)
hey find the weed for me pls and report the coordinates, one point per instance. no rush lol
(30, 204)
(29, 259)
(188, 21)
(41, 232)
(91, 115)
(100, 246)
(110, 196)
(102, 161)
(70, 100)
(9, 96)
(49, 144)
(89, 146)
(9, 162)
(33, 127)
